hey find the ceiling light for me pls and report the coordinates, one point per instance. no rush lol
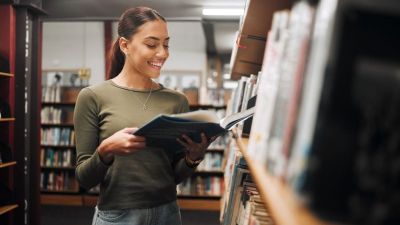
(222, 12)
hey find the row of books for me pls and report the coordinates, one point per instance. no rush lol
(280, 84)
(241, 204)
(219, 143)
(51, 93)
(212, 162)
(235, 171)
(252, 210)
(57, 136)
(61, 86)
(56, 115)
(57, 158)
(57, 94)
(318, 125)
(246, 89)
(63, 181)
(201, 186)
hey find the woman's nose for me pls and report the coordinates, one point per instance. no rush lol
(162, 52)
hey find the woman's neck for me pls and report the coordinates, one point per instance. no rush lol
(132, 80)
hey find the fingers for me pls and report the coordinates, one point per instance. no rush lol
(188, 139)
(137, 138)
(182, 143)
(130, 147)
(204, 139)
(130, 130)
(189, 143)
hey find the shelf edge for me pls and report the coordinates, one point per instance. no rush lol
(2, 74)
(277, 196)
(7, 164)
(7, 208)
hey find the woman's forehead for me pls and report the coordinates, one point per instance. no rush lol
(153, 30)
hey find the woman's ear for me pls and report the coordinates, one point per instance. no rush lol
(123, 45)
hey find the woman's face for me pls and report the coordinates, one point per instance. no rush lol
(147, 50)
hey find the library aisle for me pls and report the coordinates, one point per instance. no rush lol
(320, 77)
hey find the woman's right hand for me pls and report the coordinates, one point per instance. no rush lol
(122, 142)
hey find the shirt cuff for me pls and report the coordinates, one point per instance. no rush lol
(100, 162)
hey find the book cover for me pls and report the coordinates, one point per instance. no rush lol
(163, 130)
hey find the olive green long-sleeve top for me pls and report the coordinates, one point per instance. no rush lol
(146, 178)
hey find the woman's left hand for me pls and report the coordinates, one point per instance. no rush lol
(195, 151)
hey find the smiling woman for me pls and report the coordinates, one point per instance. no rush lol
(147, 51)
(137, 182)
(136, 32)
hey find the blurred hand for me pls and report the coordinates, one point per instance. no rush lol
(122, 142)
(194, 150)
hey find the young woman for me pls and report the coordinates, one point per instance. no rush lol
(137, 183)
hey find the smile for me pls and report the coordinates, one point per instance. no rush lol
(156, 65)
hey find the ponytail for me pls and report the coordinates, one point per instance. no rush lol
(128, 25)
(117, 59)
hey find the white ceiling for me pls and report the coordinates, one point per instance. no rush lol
(221, 33)
(111, 9)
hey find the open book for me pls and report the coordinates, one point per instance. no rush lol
(163, 130)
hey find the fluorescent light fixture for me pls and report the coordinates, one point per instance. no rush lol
(223, 12)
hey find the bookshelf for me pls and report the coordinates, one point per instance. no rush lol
(313, 141)
(191, 203)
(278, 197)
(248, 50)
(8, 164)
(7, 75)
(7, 119)
(60, 88)
(7, 208)
(20, 28)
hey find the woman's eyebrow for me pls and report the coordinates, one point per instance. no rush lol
(156, 38)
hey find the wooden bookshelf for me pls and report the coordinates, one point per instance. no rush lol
(7, 119)
(3, 165)
(282, 202)
(7, 208)
(200, 204)
(2, 74)
(58, 199)
(91, 200)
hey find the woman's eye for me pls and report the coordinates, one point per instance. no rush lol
(166, 46)
(151, 46)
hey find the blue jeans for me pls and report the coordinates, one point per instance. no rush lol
(167, 214)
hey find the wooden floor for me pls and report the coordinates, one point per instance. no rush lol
(67, 215)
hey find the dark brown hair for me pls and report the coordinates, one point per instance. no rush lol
(128, 25)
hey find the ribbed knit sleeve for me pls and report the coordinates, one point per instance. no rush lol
(90, 170)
